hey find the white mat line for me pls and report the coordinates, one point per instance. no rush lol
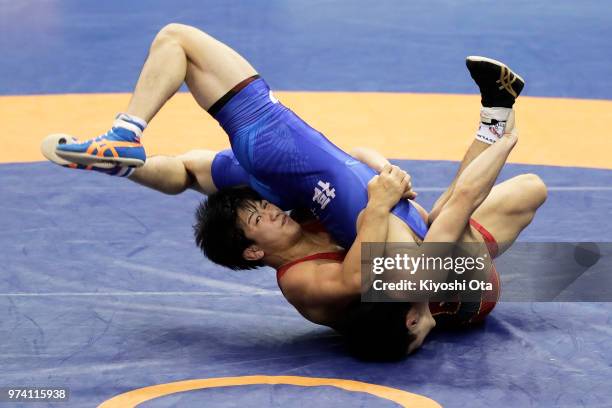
(550, 188)
(177, 276)
(57, 294)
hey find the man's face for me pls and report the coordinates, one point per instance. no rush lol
(268, 225)
(420, 322)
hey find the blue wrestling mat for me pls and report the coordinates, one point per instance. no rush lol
(104, 292)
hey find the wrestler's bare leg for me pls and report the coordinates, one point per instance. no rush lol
(506, 211)
(175, 174)
(178, 54)
(471, 189)
(509, 208)
(181, 53)
(473, 151)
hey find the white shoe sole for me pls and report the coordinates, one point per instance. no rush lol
(49, 143)
(104, 162)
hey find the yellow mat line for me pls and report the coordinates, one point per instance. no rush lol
(136, 397)
(564, 132)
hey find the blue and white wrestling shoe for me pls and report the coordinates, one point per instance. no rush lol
(50, 143)
(120, 146)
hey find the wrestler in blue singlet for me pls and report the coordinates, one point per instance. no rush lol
(284, 155)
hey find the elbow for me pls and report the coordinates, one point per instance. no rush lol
(536, 188)
(352, 284)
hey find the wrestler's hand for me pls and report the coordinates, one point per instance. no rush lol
(386, 189)
(408, 193)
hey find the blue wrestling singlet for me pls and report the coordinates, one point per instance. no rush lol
(284, 155)
(227, 172)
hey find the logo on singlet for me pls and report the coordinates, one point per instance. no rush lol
(323, 194)
(272, 97)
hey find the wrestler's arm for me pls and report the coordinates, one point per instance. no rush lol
(384, 192)
(371, 157)
(175, 174)
(314, 288)
(377, 162)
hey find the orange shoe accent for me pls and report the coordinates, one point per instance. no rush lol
(103, 147)
(93, 146)
(106, 148)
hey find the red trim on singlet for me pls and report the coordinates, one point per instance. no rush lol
(313, 226)
(490, 299)
(488, 302)
(489, 239)
(333, 256)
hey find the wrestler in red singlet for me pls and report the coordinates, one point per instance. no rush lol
(446, 313)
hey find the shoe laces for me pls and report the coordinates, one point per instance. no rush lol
(506, 79)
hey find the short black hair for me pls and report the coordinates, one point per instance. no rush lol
(217, 229)
(377, 331)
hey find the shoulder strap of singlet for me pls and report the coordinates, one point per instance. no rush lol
(334, 256)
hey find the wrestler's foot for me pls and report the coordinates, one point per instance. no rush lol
(120, 146)
(51, 142)
(499, 85)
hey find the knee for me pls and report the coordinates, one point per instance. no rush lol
(535, 188)
(170, 33)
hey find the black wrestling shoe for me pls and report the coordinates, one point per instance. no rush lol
(499, 85)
